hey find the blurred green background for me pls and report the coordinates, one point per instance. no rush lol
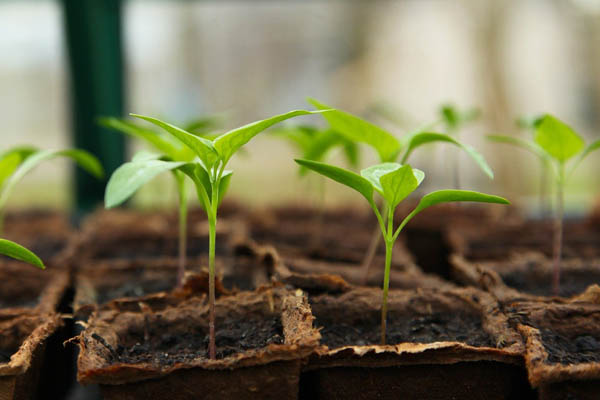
(253, 59)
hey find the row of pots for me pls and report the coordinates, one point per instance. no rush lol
(450, 342)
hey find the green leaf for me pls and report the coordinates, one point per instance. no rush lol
(343, 176)
(454, 117)
(129, 177)
(352, 154)
(398, 184)
(144, 155)
(228, 143)
(84, 159)
(361, 131)
(374, 173)
(421, 138)
(558, 139)
(203, 185)
(11, 159)
(224, 184)
(532, 147)
(203, 148)
(18, 252)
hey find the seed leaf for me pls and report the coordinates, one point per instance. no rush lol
(84, 159)
(558, 139)
(343, 176)
(398, 184)
(203, 148)
(361, 131)
(421, 138)
(129, 177)
(18, 252)
(228, 143)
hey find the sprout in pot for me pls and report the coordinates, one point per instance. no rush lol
(390, 149)
(14, 165)
(394, 182)
(170, 150)
(555, 143)
(206, 170)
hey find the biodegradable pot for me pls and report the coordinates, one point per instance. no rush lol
(23, 342)
(526, 276)
(340, 236)
(562, 348)
(262, 337)
(442, 344)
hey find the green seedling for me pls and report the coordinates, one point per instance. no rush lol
(207, 172)
(390, 149)
(394, 182)
(14, 165)
(170, 149)
(555, 143)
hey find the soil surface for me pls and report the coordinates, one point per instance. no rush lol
(570, 350)
(134, 289)
(160, 347)
(571, 282)
(430, 328)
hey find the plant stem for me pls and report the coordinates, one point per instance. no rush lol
(558, 231)
(182, 230)
(389, 244)
(212, 227)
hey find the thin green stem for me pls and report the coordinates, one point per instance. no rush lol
(212, 226)
(181, 188)
(558, 230)
(389, 244)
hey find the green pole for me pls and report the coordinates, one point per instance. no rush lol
(93, 40)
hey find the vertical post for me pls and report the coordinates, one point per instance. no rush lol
(93, 40)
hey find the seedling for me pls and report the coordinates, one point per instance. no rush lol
(207, 171)
(390, 149)
(170, 150)
(394, 182)
(14, 165)
(555, 143)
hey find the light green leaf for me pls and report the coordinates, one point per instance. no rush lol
(84, 159)
(144, 155)
(203, 148)
(203, 185)
(524, 144)
(18, 252)
(374, 173)
(421, 138)
(129, 177)
(558, 139)
(361, 131)
(228, 143)
(11, 159)
(224, 184)
(398, 184)
(343, 176)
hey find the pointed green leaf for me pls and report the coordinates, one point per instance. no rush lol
(524, 144)
(374, 173)
(398, 184)
(558, 139)
(224, 184)
(421, 138)
(203, 148)
(84, 159)
(18, 252)
(129, 177)
(361, 131)
(343, 176)
(11, 159)
(228, 143)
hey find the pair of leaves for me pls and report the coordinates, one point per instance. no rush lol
(18, 252)
(453, 117)
(387, 146)
(395, 182)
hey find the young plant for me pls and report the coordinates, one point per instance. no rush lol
(394, 182)
(390, 149)
(555, 143)
(14, 165)
(170, 150)
(206, 170)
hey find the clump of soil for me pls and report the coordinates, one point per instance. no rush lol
(234, 335)
(570, 350)
(572, 282)
(429, 328)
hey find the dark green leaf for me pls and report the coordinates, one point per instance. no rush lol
(343, 176)
(361, 131)
(228, 143)
(558, 139)
(18, 252)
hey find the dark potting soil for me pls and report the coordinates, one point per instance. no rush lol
(160, 347)
(135, 289)
(570, 350)
(571, 282)
(430, 328)
(5, 355)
